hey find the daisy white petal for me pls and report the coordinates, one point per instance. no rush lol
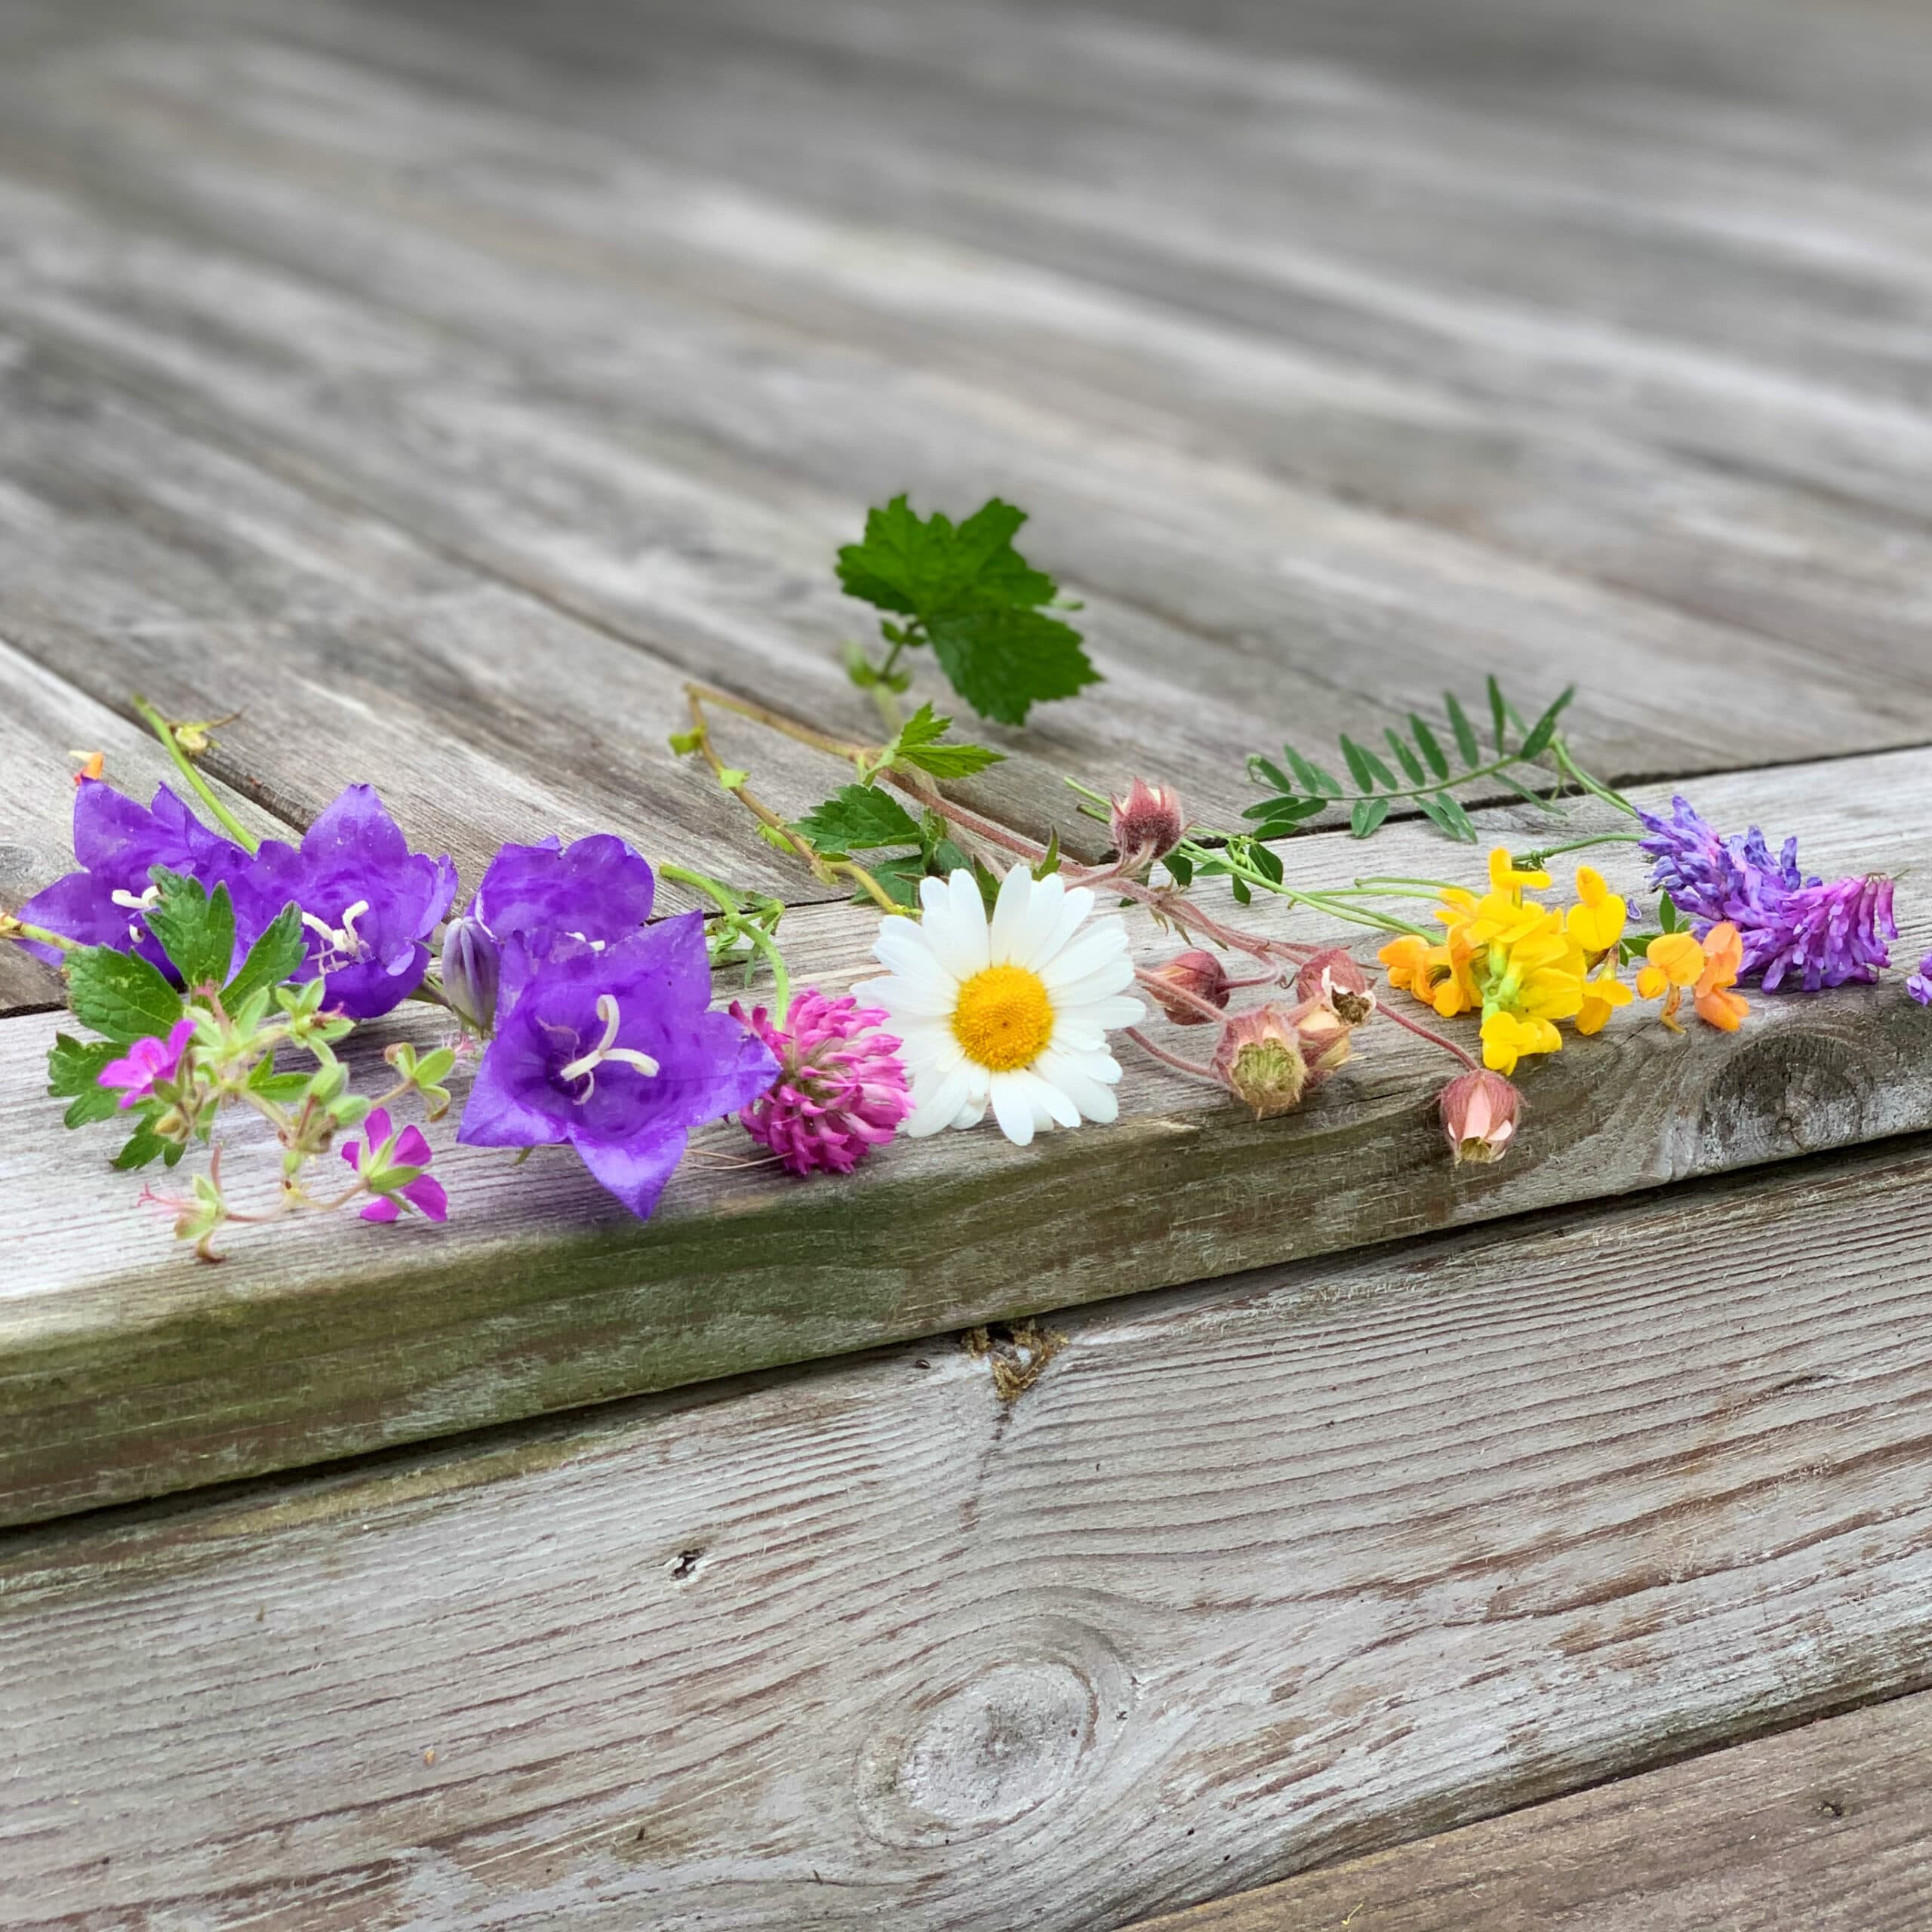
(1102, 945)
(1024, 907)
(1096, 1100)
(1074, 907)
(1013, 1107)
(935, 1102)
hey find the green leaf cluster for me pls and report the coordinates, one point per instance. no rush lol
(1419, 770)
(964, 590)
(868, 825)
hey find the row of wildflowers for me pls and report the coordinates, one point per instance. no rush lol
(216, 971)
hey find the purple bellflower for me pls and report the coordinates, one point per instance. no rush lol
(1823, 935)
(369, 903)
(1919, 984)
(611, 1045)
(117, 841)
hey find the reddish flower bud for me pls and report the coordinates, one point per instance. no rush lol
(1327, 1038)
(1335, 979)
(1198, 972)
(1147, 824)
(1479, 1115)
(1260, 1060)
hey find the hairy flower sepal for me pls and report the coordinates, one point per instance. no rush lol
(568, 1063)
(423, 1075)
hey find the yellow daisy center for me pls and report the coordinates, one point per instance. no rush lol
(1003, 1019)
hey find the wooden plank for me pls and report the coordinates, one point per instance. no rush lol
(1828, 1827)
(125, 1368)
(1220, 210)
(1268, 578)
(1277, 1571)
(136, 558)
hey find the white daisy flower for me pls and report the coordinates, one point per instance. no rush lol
(1012, 1013)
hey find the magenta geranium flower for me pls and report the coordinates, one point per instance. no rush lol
(369, 903)
(391, 1165)
(841, 1090)
(117, 842)
(148, 1063)
(612, 1046)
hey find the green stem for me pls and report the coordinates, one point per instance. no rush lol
(1595, 787)
(885, 700)
(226, 819)
(19, 929)
(737, 922)
(1534, 861)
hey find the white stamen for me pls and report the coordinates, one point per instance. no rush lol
(585, 1066)
(341, 946)
(134, 903)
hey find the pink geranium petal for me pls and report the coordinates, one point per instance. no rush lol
(382, 1209)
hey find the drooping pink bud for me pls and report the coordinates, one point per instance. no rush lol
(1260, 1060)
(1147, 824)
(1327, 1038)
(1479, 1115)
(1335, 979)
(1198, 973)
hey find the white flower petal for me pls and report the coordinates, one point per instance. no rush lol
(971, 1115)
(1050, 1103)
(1022, 902)
(935, 1101)
(955, 924)
(1074, 906)
(905, 950)
(1013, 1108)
(1112, 1014)
(1095, 1100)
(907, 1001)
(1103, 945)
(1092, 988)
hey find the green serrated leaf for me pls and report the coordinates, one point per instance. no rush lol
(1410, 763)
(860, 818)
(74, 1069)
(1431, 746)
(196, 931)
(277, 954)
(1003, 662)
(1366, 815)
(144, 1146)
(1544, 729)
(959, 760)
(1466, 742)
(119, 995)
(1499, 716)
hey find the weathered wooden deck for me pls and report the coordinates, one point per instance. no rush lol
(442, 384)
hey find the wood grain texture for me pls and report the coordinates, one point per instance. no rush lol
(1826, 1827)
(42, 720)
(127, 1368)
(133, 557)
(578, 342)
(1276, 1571)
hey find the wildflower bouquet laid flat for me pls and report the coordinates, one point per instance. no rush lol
(214, 971)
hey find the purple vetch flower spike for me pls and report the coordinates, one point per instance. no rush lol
(148, 1063)
(1919, 984)
(117, 842)
(370, 903)
(1791, 926)
(392, 1166)
(841, 1090)
(613, 1047)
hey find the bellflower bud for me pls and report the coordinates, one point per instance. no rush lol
(1260, 1060)
(471, 964)
(1147, 824)
(1335, 980)
(1198, 972)
(1479, 1115)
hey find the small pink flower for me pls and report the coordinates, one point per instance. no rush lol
(149, 1062)
(1145, 825)
(392, 1166)
(841, 1090)
(1196, 976)
(1479, 1115)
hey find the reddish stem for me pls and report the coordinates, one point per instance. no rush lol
(1415, 1027)
(1191, 1068)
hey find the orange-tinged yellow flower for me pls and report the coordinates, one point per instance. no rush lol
(1601, 998)
(1406, 958)
(1596, 922)
(1675, 959)
(1507, 1037)
(1504, 876)
(1723, 958)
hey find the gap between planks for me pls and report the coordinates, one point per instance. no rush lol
(128, 1369)
(1258, 1575)
(1827, 1828)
